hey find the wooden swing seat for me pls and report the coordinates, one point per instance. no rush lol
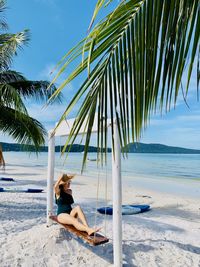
(94, 240)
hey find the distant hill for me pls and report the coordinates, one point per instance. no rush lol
(131, 148)
(20, 148)
(159, 148)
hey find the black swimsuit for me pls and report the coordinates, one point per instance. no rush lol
(64, 203)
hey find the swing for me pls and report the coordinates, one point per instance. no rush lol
(95, 239)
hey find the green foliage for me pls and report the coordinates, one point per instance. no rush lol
(135, 59)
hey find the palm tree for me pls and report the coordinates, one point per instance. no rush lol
(14, 88)
(135, 59)
(14, 118)
(2, 161)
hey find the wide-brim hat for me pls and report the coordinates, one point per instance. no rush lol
(67, 177)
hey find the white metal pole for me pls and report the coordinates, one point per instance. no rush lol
(50, 175)
(117, 199)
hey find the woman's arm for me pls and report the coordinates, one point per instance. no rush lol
(56, 186)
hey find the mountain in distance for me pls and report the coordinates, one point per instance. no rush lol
(159, 148)
(31, 148)
(131, 148)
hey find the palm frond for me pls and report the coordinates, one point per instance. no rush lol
(9, 76)
(9, 43)
(21, 127)
(9, 97)
(39, 90)
(98, 7)
(3, 24)
(136, 58)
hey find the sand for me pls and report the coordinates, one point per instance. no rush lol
(167, 235)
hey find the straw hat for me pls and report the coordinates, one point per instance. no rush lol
(66, 178)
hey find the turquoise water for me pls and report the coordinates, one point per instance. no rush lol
(154, 170)
(156, 166)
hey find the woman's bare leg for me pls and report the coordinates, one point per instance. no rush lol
(68, 219)
(77, 212)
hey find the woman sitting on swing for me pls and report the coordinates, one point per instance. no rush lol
(65, 213)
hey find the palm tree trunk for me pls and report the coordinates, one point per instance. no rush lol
(2, 161)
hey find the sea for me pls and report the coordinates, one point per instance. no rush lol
(170, 173)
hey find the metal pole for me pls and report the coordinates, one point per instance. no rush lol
(50, 175)
(117, 199)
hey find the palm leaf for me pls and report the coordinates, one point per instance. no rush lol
(9, 76)
(40, 90)
(142, 47)
(9, 97)
(9, 43)
(21, 127)
(3, 24)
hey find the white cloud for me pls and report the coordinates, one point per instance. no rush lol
(189, 118)
(48, 114)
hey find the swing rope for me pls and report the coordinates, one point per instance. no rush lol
(62, 164)
(97, 199)
(106, 200)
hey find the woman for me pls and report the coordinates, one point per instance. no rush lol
(65, 213)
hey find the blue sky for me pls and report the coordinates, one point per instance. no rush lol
(56, 26)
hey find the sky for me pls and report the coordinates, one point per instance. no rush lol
(55, 27)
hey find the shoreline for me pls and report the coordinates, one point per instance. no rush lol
(167, 186)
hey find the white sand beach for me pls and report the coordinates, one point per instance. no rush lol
(167, 235)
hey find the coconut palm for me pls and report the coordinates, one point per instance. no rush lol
(14, 118)
(14, 89)
(2, 161)
(135, 59)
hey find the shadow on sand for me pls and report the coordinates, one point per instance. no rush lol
(175, 211)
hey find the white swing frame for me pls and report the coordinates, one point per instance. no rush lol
(64, 130)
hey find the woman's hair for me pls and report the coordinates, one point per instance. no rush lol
(61, 188)
(65, 178)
